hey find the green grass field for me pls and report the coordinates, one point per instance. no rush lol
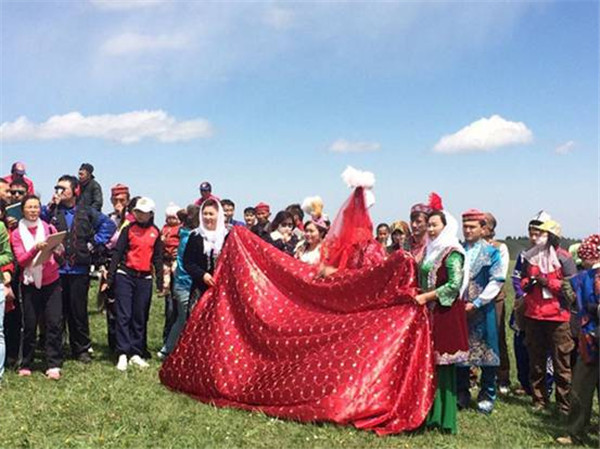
(97, 406)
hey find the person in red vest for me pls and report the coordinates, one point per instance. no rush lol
(17, 171)
(138, 250)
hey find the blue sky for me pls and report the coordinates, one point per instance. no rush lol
(256, 96)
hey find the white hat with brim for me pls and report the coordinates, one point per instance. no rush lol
(145, 205)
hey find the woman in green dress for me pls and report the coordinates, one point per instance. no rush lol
(442, 276)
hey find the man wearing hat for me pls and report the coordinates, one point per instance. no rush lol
(17, 172)
(504, 369)
(91, 191)
(261, 228)
(547, 315)
(486, 278)
(119, 198)
(418, 225)
(205, 193)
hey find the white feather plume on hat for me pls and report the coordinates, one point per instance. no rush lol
(357, 178)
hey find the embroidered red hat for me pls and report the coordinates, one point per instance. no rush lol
(262, 206)
(118, 189)
(420, 208)
(590, 248)
(473, 215)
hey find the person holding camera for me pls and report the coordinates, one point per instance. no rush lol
(547, 315)
(88, 231)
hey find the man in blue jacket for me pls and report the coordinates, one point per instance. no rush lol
(88, 231)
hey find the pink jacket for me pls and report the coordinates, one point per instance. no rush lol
(24, 258)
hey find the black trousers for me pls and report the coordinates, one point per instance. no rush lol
(133, 296)
(75, 289)
(43, 304)
(110, 308)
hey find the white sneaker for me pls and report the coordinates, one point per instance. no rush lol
(137, 360)
(122, 363)
(161, 355)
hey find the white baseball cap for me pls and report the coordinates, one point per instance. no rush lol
(145, 204)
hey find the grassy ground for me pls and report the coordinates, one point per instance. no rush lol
(97, 406)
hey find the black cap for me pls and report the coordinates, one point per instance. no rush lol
(87, 167)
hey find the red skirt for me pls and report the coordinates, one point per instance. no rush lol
(450, 333)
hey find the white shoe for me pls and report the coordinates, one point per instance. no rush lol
(161, 355)
(137, 360)
(122, 363)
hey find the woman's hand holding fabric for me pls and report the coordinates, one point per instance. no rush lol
(208, 280)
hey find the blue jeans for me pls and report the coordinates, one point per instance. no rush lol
(487, 386)
(2, 344)
(182, 298)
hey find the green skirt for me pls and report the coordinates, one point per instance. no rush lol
(444, 410)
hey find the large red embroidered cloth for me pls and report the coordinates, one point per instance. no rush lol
(352, 348)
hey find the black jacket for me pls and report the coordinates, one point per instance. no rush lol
(91, 195)
(90, 230)
(196, 263)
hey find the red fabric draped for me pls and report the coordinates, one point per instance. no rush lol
(352, 348)
(350, 243)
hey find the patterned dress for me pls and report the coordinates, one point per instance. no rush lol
(450, 334)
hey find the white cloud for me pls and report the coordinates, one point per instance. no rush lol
(345, 146)
(128, 43)
(279, 18)
(130, 127)
(485, 134)
(125, 4)
(565, 148)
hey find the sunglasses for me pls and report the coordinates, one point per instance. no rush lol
(18, 192)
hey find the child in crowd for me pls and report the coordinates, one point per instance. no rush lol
(250, 217)
(169, 235)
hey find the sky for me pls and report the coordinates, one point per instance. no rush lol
(493, 105)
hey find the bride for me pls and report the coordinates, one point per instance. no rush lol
(275, 335)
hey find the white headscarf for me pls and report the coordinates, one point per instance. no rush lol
(213, 240)
(32, 275)
(543, 256)
(448, 238)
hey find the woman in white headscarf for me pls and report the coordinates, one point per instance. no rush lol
(203, 249)
(443, 278)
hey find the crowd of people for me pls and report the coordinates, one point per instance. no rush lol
(48, 251)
